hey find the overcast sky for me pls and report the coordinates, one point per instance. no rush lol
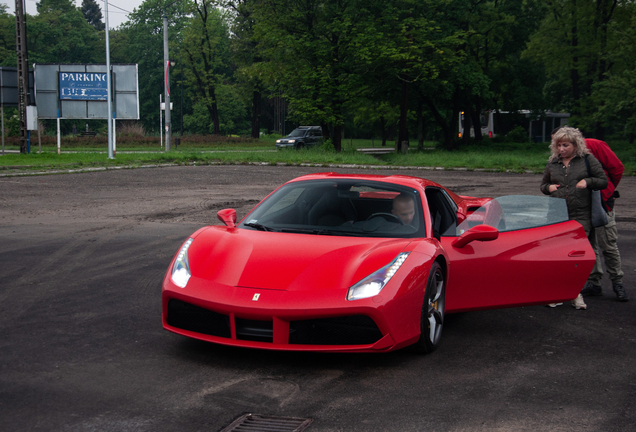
(115, 16)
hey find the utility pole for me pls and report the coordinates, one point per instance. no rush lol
(166, 70)
(23, 70)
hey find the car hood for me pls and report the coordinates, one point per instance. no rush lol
(285, 261)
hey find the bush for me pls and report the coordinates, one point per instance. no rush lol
(517, 135)
(327, 147)
(13, 126)
(131, 128)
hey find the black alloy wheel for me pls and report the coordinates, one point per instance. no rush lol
(433, 309)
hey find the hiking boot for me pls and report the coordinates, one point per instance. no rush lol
(554, 304)
(621, 295)
(591, 290)
(578, 303)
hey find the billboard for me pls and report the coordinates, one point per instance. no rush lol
(73, 91)
(9, 86)
(83, 86)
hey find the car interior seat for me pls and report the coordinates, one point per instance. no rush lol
(443, 219)
(331, 210)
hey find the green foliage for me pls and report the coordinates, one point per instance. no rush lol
(517, 135)
(93, 14)
(60, 34)
(50, 6)
(313, 53)
(205, 52)
(584, 46)
(246, 56)
(232, 117)
(615, 97)
(378, 67)
(11, 122)
(504, 157)
(327, 146)
(7, 37)
(140, 40)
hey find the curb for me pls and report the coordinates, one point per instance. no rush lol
(346, 166)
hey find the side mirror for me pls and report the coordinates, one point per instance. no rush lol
(479, 233)
(228, 217)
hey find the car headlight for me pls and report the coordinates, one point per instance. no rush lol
(181, 268)
(277, 141)
(373, 284)
(291, 141)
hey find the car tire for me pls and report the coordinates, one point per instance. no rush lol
(300, 145)
(433, 310)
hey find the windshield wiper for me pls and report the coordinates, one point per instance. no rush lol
(258, 226)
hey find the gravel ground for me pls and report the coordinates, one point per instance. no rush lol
(83, 256)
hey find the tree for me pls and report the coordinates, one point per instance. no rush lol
(574, 44)
(205, 52)
(48, 6)
(7, 37)
(246, 56)
(485, 72)
(232, 111)
(60, 34)
(311, 54)
(412, 50)
(140, 40)
(93, 14)
(382, 115)
(616, 93)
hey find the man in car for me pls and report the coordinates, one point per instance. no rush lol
(404, 208)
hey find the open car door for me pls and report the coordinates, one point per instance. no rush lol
(516, 250)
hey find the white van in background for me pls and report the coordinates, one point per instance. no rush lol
(499, 123)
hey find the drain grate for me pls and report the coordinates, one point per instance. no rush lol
(264, 423)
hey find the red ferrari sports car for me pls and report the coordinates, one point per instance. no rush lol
(369, 263)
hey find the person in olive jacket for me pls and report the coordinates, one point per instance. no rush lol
(566, 176)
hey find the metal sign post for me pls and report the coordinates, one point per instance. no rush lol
(2, 109)
(166, 63)
(111, 153)
(160, 122)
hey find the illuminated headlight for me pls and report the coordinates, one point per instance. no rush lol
(373, 284)
(277, 141)
(291, 141)
(181, 267)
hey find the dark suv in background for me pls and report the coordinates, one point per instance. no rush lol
(302, 136)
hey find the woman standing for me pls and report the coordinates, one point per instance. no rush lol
(566, 176)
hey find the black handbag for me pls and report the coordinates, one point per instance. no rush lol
(599, 215)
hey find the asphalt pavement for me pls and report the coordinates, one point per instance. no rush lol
(82, 257)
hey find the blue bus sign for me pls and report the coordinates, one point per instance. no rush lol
(89, 86)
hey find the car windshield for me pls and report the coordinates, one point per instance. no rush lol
(297, 133)
(342, 207)
(517, 212)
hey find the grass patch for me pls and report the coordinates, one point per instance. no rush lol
(82, 153)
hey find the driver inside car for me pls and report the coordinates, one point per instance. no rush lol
(404, 208)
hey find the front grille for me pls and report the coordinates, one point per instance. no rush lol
(347, 330)
(196, 319)
(252, 330)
